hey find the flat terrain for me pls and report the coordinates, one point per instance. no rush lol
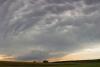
(60, 64)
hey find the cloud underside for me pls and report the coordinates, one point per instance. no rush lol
(44, 29)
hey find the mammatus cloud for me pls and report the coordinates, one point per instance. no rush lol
(62, 26)
(91, 2)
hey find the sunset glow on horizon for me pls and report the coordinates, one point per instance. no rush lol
(6, 58)
(85, 54)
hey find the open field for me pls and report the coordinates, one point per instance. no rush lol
(58, 64)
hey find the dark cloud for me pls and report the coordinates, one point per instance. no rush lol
(90, 10)
(34, 55)
(59, 8)
(59, 25)
(90, 2)
(61, 1)
(39, 55)
(55, 39)
(2, 1)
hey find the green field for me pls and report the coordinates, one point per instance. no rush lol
(65, 64)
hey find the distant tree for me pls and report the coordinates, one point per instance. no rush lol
(34, 62)
(45, 61)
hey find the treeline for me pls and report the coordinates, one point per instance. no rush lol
(80, 61)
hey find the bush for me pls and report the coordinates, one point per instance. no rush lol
(45, 61)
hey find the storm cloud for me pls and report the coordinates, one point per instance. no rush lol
(46, 26)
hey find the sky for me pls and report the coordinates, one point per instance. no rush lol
(57, 30)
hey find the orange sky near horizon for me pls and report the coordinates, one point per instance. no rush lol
(85, 54)
(6, 58)
(93, 53)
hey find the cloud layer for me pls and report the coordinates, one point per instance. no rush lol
(46, 26)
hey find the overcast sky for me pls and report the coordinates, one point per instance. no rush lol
(42, 29)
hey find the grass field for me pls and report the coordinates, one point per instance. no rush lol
(27, 64)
